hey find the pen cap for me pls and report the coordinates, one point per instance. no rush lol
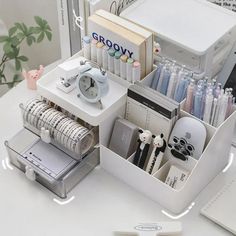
(111, 52)
(99, 45)
(124, 58)
(117, 55)
(86, 39)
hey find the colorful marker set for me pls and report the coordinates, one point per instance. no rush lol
(111, 60)
(209, 102)
(171, 80)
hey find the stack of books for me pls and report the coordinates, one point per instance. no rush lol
(122, 35)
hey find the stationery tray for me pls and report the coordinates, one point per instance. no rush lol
(90, 112)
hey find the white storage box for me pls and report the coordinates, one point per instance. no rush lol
(202, 171)
(195, 33)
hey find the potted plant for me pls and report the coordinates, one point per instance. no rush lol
(12, 43)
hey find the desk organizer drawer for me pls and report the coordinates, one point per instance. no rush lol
(47, 164)
(66, 133)
(202, 171)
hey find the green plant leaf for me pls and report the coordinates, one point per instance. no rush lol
(12, 30)
(18, 64)
(11, 55)
(37, 30)
(20, 36)
(15, 41)
(48, 28)
(29, 41)
(18, 25)
(49, 35)
(31, 30)
(25, 29)
(40, 37)
(39, 21)
(7, 48)
(23, 58)
(3, 39)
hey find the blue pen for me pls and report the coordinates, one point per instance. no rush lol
(165, 81)
(156, 76)
(197, 107)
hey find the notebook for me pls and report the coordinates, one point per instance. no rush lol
(222, 208)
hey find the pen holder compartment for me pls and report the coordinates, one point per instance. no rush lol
(56, 127)
(212, 161)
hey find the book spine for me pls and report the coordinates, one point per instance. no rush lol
(63, 28)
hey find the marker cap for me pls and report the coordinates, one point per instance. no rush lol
(130, 61)
(124, 58)
(99, 45)
(117, 55)
(136, 64)
(86, 39)
(111, 52)
(94, 41)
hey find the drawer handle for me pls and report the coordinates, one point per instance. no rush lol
(45, 135)
(30, 174)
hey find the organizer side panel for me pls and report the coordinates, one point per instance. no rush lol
(142, 181)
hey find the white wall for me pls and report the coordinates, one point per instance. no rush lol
(12, 11)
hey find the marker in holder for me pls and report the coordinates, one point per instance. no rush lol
(129, 67)
(136, 71)
(87, 47)
(123, 60)
(111, 54)
(94, 50)
(99, 53)
(117, 63)
(105, 57)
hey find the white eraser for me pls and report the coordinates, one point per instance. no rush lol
(176, 177)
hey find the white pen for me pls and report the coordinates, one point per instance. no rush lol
(87, 47)
(105, 57)
(111, 54)
(129, 69)
(123, 60)
(208, 107)
(213, 111)
(223, 109)
(117, 63)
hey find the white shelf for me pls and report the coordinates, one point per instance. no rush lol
(88, 112)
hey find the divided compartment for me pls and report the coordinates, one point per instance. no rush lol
(76, 147)
(61, 177)
(212, 161)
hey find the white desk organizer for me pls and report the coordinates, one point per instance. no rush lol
(202, 171)
(213, 159)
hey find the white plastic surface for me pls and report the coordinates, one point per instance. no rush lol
(88, 112)
(186, 23)
(152, 229)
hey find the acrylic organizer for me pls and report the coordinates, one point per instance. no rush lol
(202, 171)
(57, 163)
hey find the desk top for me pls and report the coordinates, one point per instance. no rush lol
(102, 203)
